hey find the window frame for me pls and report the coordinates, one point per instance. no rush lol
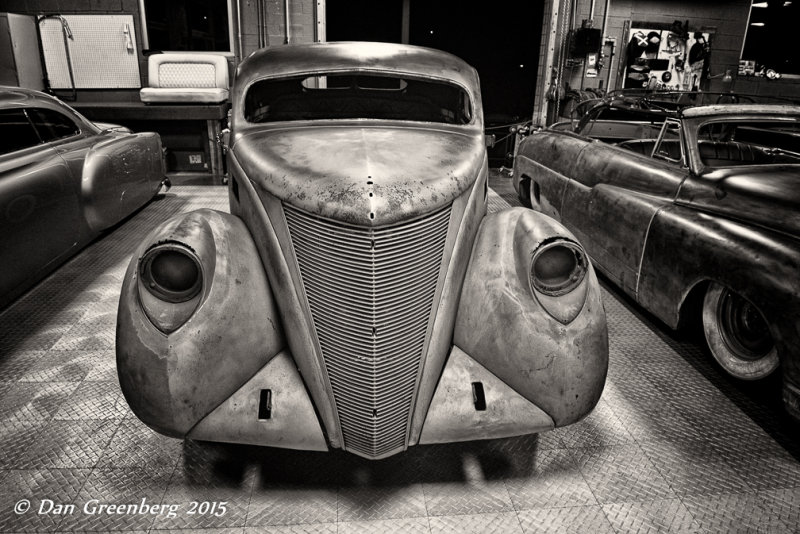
(13, 153)
(33, 120)
(231, 37)
(662, 137)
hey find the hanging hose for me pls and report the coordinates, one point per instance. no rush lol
(67, 33)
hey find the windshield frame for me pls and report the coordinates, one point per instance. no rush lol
(474, 112)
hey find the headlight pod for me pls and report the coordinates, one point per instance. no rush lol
(170, 285)
(171, 272)
(557, 277)
(557, 268)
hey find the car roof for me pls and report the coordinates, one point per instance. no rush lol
(298, 59)
(11, 96)
(740, 109)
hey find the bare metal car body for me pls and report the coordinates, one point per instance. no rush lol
(63, 180)
(358, 296)
(694, 213)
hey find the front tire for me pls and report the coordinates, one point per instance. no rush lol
(737, 334)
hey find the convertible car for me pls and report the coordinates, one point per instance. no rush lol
(63, 181)
(357, 296)
(693, 212)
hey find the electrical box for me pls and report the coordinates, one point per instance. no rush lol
(585, 41)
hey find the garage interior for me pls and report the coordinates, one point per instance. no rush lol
(674, 445)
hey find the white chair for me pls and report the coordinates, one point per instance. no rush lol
(186, 78)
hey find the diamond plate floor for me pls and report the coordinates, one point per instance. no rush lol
(673, 446)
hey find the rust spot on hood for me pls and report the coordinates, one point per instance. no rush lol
(365, 175)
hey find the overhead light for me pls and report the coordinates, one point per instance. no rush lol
(757, 24)
(787, 4)
(760, 4)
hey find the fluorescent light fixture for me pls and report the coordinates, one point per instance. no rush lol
(757, 24)
(760, 4)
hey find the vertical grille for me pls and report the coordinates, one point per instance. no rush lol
(370, 292)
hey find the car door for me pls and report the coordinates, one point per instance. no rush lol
(38, 204)
(615, 192)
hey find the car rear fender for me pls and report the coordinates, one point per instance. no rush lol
(120, 174)
(173, 380)
(687, 247)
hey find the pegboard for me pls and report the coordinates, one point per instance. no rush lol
(102, 51)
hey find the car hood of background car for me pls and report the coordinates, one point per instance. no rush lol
(768, 196)
(362, 175)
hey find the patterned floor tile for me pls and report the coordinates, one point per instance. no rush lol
(783, 504)
(601, 428)
(622, 473)
(15, 440)
(382, 502)
(569, 520)
(555, 481)
(60, 366)
(694, 467)
(733, 513)
(305, 528)
(70, 444)
(48, 491)
(14, 366)
(505, 523)
(135, 444)
(135, 493)
(217, 483)
(286, 505)
(94, 400)
(415, 525)
(765, 469)
(28, 401)
(659, 516)
(460, 498)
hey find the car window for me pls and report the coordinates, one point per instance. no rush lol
(52, 125)
(356, 96)
(668, 145)
(16, 131)
(733, 142)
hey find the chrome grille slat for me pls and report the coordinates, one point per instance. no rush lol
(370, 293)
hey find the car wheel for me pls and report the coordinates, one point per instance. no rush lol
(737, 334)
(524, 193)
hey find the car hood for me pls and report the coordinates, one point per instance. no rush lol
(363, 175)
(766, 196)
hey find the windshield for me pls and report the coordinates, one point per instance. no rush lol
(734, 142)
(356, 96)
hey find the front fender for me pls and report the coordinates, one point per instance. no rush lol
(559, 366)
(172, 381)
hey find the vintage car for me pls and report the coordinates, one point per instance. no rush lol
(63, 181)
(693, 212)
(357, 296)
